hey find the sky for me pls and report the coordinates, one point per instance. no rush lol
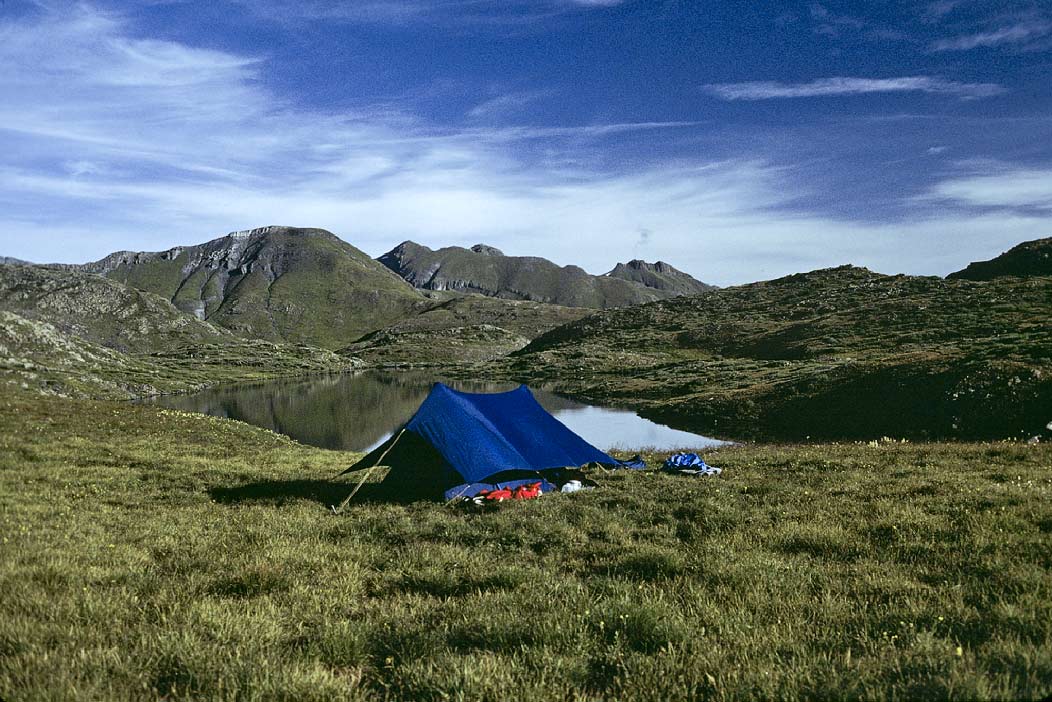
(737, 140)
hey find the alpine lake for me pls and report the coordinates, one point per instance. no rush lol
(358, 411)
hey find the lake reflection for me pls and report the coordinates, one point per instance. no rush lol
(356, 412)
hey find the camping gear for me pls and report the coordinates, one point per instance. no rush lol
(490, 497)
(575, 486)
(689, 464)
(460, 443)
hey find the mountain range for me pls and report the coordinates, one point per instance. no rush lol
(485, 270)
(838, 352)
(659, 276)
(308, 286)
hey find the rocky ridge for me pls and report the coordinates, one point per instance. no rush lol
(1031, 258)
(659, 276)
(487, 271)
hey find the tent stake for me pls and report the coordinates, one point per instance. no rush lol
(369, 472)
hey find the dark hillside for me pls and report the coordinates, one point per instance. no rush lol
(841, 352)
(1027, 259)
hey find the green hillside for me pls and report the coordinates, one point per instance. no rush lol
(275, 283)
(833, 353)
(66, 332)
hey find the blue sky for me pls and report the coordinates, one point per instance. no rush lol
(736, 140)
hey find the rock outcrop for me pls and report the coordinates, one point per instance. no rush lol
(1031, 258)
(100, 311)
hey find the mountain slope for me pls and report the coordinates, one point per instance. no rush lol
(659, 276)
(1027, 259)
(485, 270)
(38, 356)
(835, 353)
(100, 311)
(467, 328)
(275, 283)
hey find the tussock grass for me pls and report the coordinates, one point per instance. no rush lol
(148, 553)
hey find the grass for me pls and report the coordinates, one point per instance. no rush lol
(148, 553)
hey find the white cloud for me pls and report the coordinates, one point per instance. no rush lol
(1012, 188)
(1014, 34)
(826, 87)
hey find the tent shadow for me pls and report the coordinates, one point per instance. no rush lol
(325, 492)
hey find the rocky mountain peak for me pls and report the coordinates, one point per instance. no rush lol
(637, 264)
(487, 250)
(275, 282)
(659, 276)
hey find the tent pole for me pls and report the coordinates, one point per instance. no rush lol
(455, 497)
(369, 472)
(354, 492)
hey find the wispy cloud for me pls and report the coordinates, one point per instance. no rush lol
(507, 104)
(935, 11)
(827, 87)
(998, 186)
(113, 140)
(403, 12)
(1013, 34)
(830, 24)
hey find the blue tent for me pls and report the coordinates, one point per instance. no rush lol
(458, 442)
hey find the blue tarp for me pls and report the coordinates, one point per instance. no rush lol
(482, 434)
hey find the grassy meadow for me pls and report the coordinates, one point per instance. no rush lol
(148, 553)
